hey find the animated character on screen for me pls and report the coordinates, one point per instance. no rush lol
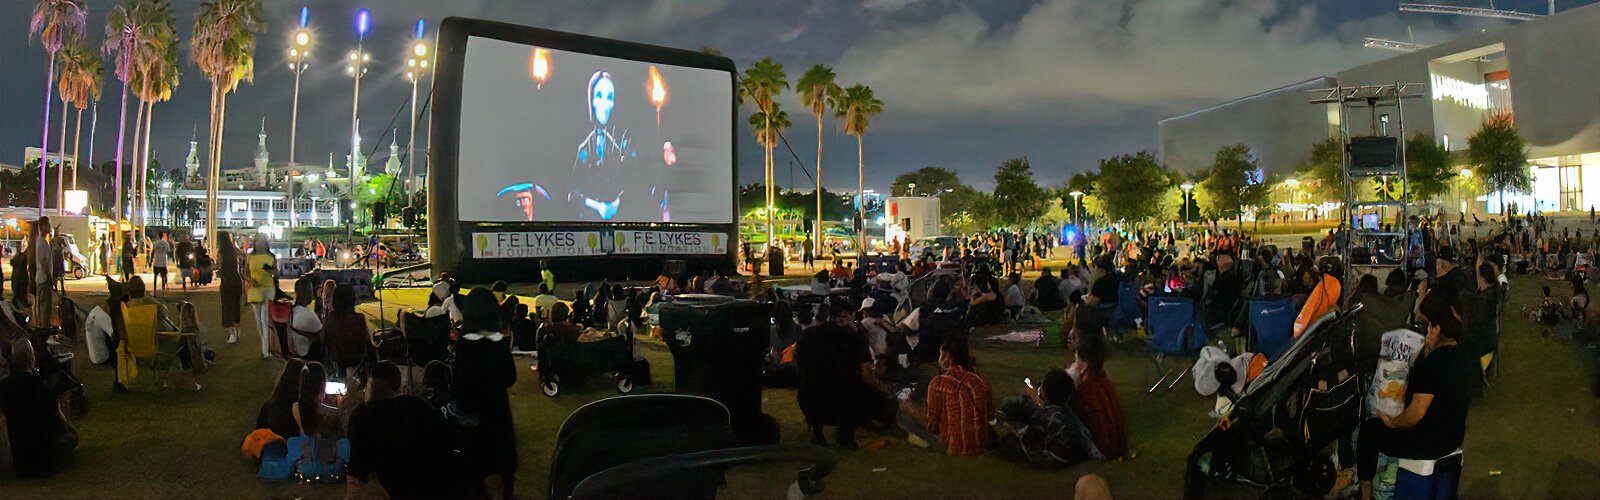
(604, 142)
(522, 195)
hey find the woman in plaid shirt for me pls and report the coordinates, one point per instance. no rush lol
(955, 418)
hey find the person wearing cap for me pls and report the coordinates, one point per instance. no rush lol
(1451, 279)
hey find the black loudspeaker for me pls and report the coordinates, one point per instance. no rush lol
(408, 216)
(1373, 154)
(380, 211)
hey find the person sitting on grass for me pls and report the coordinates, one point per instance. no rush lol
(345, 332)
(543, 302)
(312, 411)
(1042, 428)
(1438, 393)
(836, 378)
(400, 439)
(277, 414)
(955, 417)
(1097, 402)
(42, 442)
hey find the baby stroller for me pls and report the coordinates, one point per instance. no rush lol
(604, 450)
(1280, 431)
(565, 361)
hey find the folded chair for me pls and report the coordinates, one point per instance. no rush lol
(1272, 326)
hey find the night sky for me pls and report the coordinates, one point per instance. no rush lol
(966, 84)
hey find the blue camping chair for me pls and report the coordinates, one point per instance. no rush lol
(1127, 311)
(1272, 326)
(1175, 329)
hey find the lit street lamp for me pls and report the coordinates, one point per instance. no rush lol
(1466, 176)
(416, 67)
(357, 68)
(299, 49)
(1077, 219)
(1187, 186)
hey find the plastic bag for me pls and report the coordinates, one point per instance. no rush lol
(1399, 348)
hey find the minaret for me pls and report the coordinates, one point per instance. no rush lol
(392, 167)
(191, 164)
(357, 161)
(261, 153)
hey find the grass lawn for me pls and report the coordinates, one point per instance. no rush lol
(1537, 426)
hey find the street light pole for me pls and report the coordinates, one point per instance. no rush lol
(357, 68)
(416, 66)
(1186, 200)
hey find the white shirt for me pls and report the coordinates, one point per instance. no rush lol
(1014, 297)
(98, 330)
(304, 320)
(158, 253)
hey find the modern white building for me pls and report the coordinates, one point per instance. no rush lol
(1543, 74)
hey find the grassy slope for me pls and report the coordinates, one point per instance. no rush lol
(1537, 425)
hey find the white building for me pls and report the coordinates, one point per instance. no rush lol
(1548, 67)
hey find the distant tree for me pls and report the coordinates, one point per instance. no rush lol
(927, 181)
(20, 188)
(1500, 158)
(1429, 169)
(1131, 187)
(1324, 170)
(1233, 183)
(1018, 200)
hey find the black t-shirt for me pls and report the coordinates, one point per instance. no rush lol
(1106, 288)
(404, 441)
(1447, 373)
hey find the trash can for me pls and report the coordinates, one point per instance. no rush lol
(718, 345)
(775, 262)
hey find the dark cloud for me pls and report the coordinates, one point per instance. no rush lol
(966, 84)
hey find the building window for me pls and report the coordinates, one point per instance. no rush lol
(258, 205)
(1572, 188)
(1498, 87)
(280, 205)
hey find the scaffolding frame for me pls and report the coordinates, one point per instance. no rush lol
(1372, 98)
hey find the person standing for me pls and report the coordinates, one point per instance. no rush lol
(126, 261)
(160, 254)
(231, 285)
(262, 269)
(808, 256)
(484, 371)
(185, 257)
(43, 273)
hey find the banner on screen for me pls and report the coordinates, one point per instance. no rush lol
(671, 243)
(514, 245)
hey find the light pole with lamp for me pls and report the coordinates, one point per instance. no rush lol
(1187, 187)
(299, 49)
(416, 67)
(357, 68)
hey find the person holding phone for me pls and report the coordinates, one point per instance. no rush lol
(317, 410)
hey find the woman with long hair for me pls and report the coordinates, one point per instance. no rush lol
(277, 414)
(345, 332)
(262, 270)
(315, 418)
(231, 286)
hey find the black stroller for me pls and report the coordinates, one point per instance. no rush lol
(605, 450)
(565, 361)
(1282, 430)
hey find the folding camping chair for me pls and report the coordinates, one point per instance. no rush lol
(1271, 326)
(1175, 329)
(1126, 313)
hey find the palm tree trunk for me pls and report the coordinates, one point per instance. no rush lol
(44, 140)
(138, 160)
(861, 208)
(144, 169)
(213, 173)
(116, 216)
(61, 152)
(766, 142)
(77, 134)
(816, 236)
(94, 124)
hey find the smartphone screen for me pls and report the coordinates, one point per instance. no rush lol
(1028, 382)
(334, 388)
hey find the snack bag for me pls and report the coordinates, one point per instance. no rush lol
(1399, 348)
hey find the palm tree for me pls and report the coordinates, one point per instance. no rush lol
(767, 128)
(57, 23)
(81, 84)
(856, 107)
(761, 84)
(223, 46)
(128, 27)
(154, 79)
(818, 91)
